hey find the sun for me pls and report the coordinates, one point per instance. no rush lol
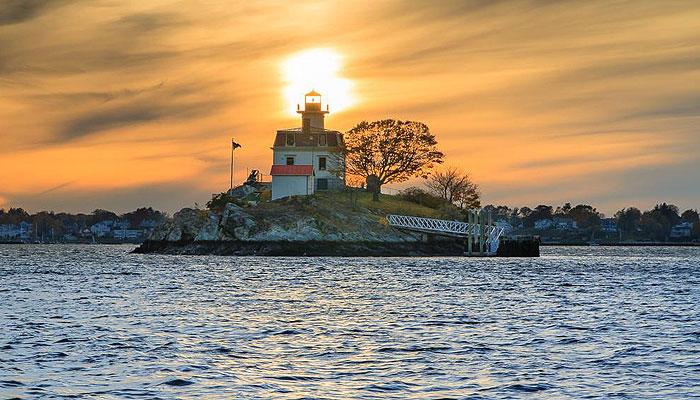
(316, 69)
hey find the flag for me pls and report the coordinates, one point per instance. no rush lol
(235, 145)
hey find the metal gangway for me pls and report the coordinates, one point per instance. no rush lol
(484, 235)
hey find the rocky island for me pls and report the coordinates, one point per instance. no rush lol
(323, 224)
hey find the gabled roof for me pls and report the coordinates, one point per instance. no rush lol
(292, 170)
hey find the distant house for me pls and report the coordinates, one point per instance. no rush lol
(148, 224)
(564, 224)
(543, 224)
(19, 231)
(682, 230)
(24, 229)
(102, 229)
(307, 159)
(121, 225)
(503, 224)
(608, 225)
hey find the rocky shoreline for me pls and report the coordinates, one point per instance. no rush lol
(304, 248)
(320, 225)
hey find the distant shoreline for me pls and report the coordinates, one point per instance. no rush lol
(626, 244)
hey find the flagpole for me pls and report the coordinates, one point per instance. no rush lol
(231, 184)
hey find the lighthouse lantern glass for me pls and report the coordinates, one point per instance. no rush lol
(313, 99)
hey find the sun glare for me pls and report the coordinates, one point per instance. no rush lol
(316, 69)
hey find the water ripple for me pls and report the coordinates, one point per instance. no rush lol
(98, 322)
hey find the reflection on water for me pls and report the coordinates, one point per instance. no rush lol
(600, 322)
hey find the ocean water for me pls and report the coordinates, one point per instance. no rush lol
(598, 322)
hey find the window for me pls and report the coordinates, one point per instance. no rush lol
(290, 160)
(290, 139)
(322, 163)
(321, 184)
(322, 139)
(306, 125)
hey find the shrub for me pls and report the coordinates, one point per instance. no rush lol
(420, 196)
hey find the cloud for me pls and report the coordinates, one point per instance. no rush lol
(131, 114)
(515, 89)
(17, 11)
(55, 188)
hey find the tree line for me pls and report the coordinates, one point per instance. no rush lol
(631, 223)
(393, 151)
(50, 224)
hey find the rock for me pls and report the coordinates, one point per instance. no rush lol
(187, 224)
(237, 222)
(292, 219)
(210, 230)
(243, 191)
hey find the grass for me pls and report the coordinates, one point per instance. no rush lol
(387, 204)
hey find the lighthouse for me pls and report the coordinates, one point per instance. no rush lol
(308, 158)
(312, 115)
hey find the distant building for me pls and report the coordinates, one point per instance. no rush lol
(564, 224)
(307, 159)
(682, 230)
(503, 224)
(608, 225)
(102, 229)
(19, 231)
(543, 224)
(148, 224)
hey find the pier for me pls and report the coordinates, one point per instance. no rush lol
(481, 234)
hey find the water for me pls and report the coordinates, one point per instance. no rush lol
(97, 322)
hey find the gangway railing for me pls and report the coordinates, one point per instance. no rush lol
(488, 234)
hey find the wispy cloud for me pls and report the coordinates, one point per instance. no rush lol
(570, 92)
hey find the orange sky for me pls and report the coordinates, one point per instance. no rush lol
(119, 104)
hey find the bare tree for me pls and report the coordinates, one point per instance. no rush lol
(455, 187)
(390, 150)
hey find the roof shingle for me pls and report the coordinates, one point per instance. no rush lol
(292, 170)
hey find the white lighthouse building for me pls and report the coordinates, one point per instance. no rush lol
(307, 159)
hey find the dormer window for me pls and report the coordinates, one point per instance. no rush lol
(290, 139)
(323, 139)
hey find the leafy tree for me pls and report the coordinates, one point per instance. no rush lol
(690, 216)
(656, 223)
(47, 226)
(392, 151)
(525, 213)
(667, 211)
(100, 215)
(629, 220)
(139, 215)
(563, 211)
(654, 228)
(540, 212)
(499, 212)
(455, 187)
(14, 216)
(586, 217)
(219, 201)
